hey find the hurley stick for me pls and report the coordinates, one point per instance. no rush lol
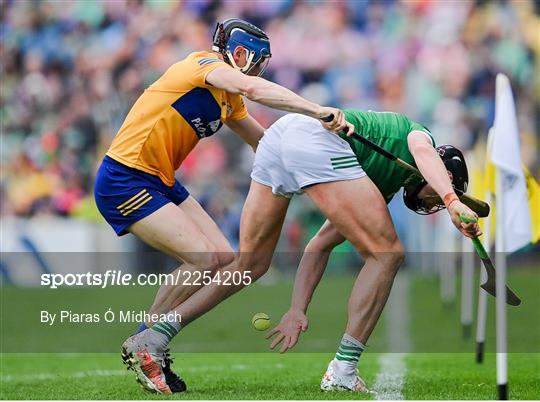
(480, 207)
(489, 286)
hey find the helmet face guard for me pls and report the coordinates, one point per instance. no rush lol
(455, 163)
(235, 32)
(421, 206)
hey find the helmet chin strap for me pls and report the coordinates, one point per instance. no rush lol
(249, 60)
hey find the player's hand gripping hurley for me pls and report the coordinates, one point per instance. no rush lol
(478, 206)
(489, 285)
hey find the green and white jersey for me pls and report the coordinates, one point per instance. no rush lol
(388, 130)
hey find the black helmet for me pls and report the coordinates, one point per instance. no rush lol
(455, 163)
(236, 32)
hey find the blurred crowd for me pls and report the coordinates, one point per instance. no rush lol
(71, 71)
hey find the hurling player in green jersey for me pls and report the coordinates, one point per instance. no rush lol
(413, 143)
(351, 186)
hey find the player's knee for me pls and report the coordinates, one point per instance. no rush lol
(225, 257)
(253, 265)
(394, 256)
(214, 260)
(207, 259)
(391, 256)
(398, 254)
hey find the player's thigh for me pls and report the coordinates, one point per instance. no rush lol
(260, 226)
(171, 230)
(359, 212)
(210, 229)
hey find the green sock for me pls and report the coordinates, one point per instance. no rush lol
(348, 353)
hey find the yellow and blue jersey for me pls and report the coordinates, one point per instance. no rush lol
(172, 115)
(136, 178)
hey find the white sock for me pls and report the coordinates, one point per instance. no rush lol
(346, 358)
(161, 333)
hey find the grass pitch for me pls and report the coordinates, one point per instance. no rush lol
(259, 376)
(242, 368)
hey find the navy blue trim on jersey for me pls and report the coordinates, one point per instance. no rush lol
(125, 195)
(201, 110)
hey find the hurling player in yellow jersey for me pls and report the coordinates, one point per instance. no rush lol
(136, 190)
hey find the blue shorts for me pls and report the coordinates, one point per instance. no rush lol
(125, 195)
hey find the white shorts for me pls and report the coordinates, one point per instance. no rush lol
(297, 151)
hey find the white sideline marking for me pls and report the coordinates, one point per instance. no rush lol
(391, 377)
(49, 376)
(392, 367)
(109, 373)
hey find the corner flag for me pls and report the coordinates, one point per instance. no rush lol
(505, 154)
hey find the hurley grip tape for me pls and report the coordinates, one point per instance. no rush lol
(465, 219)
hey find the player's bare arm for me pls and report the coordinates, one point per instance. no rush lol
(310, 271)
(248, 129)
(432, 168)
(273, 95)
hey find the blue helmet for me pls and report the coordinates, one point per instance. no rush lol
(234, 32)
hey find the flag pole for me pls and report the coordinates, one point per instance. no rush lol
(482, 294)
(500, 291)
(467, 279)
(513, 226)
(489, 185)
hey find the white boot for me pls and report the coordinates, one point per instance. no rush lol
(332, 381)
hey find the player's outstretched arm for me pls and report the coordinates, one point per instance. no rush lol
(310, 271)
(275, 96)
(429, 163)
(313, 264)
(432, 168)
(248, 129)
